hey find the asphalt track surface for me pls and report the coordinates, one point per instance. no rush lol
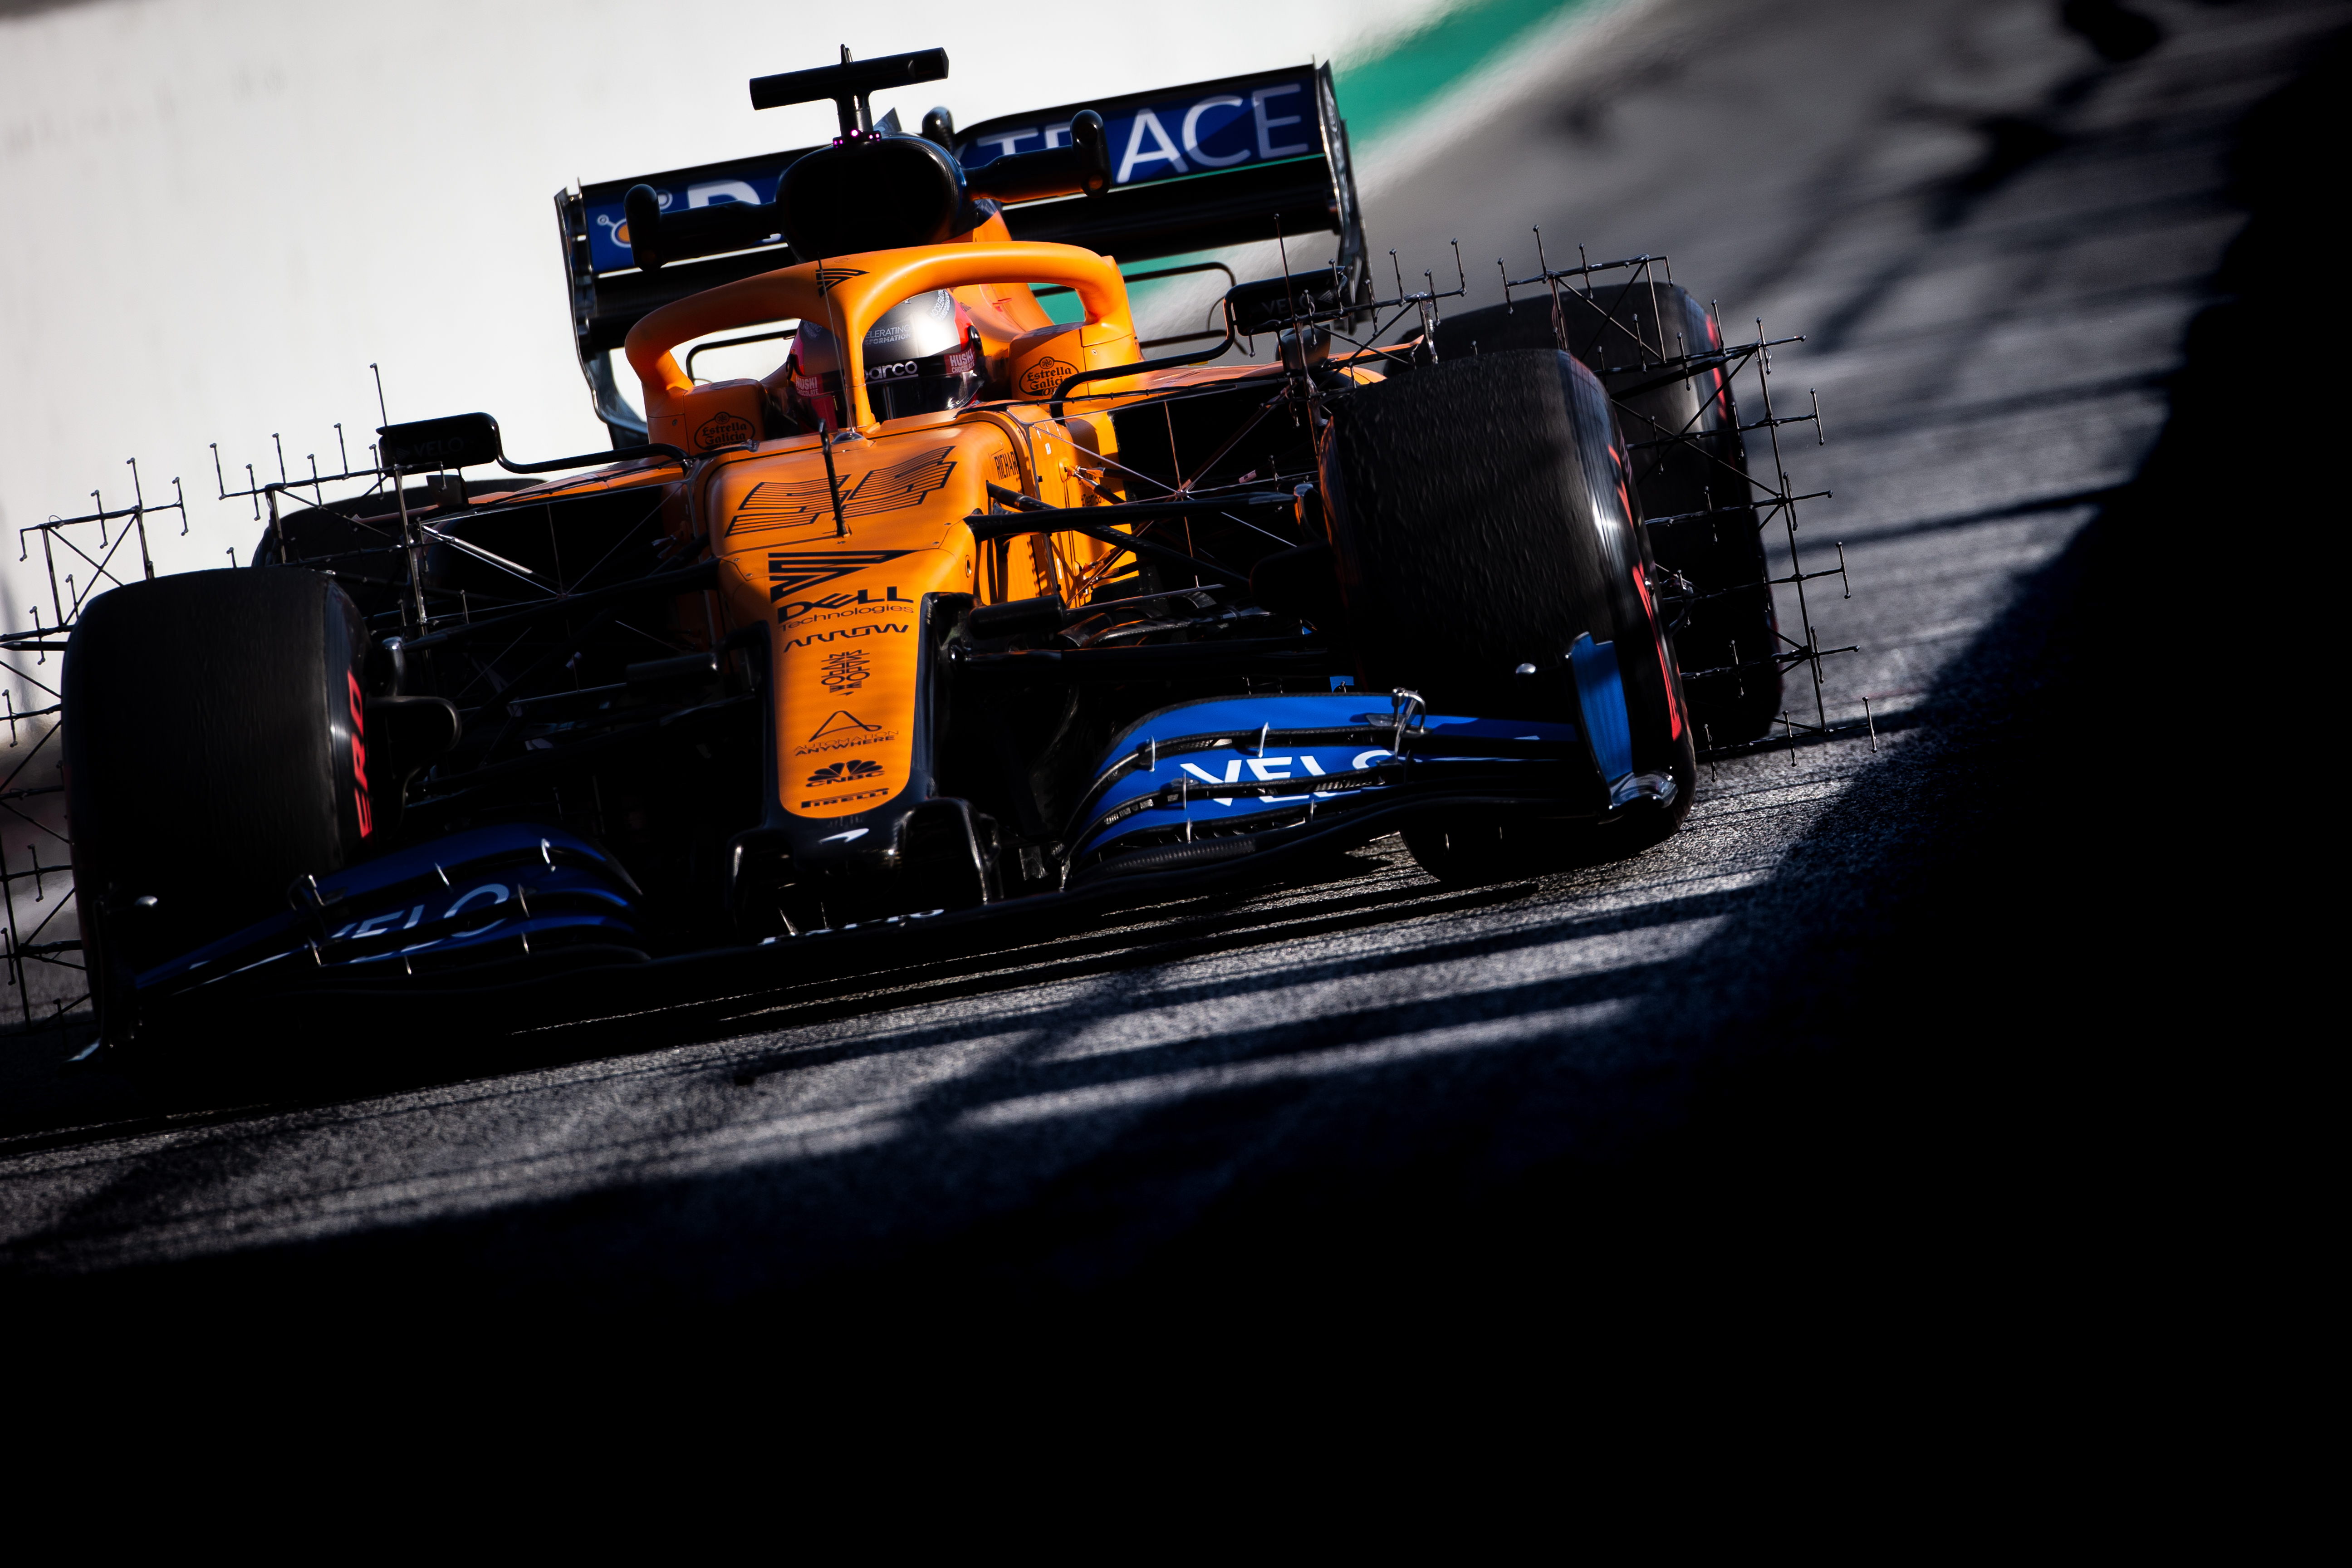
(1823, 1029)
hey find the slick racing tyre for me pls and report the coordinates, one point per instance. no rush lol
(1682, 433)
(215, 755)
(1478, 516)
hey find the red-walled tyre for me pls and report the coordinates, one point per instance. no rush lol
(1482, 520)
(1689, 462)
(215, 755)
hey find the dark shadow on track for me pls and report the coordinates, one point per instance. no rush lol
(2058, 1129)
(2070, 1132)
(287, 1056)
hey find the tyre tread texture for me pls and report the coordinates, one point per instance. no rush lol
(1619, 327)
(206, 727)
(1482, 518)
(1463, 509)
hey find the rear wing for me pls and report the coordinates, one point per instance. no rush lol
(1215, 164)
(610, 293)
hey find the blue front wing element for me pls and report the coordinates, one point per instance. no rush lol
(1600, 695)
(1214, 764)
(485, 894)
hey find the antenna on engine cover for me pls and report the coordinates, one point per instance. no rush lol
(851, 85)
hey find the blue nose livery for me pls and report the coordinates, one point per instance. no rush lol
(1237, 764)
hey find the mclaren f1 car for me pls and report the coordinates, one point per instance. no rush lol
(975, 605)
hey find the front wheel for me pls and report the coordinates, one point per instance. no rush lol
(1690, 472)
(215, 755)
(1482, 526)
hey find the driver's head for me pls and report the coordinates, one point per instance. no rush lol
(921, 357)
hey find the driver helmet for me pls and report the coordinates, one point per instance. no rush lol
(921, 357)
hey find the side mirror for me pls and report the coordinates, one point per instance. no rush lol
(463, 440)
(1269, 304)
(457, 441)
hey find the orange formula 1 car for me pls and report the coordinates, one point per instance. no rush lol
(975, 604)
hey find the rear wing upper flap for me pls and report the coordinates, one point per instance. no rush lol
(1214, 163)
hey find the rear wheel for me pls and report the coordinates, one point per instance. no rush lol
(1480, 520)
(214, 754)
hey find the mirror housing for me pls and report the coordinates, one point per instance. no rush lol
(455, 441)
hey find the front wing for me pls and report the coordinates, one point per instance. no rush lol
(1216, 791)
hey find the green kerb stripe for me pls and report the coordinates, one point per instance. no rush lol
(1381, 92)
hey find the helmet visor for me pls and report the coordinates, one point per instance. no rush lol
(899, 388)
(921, 357)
